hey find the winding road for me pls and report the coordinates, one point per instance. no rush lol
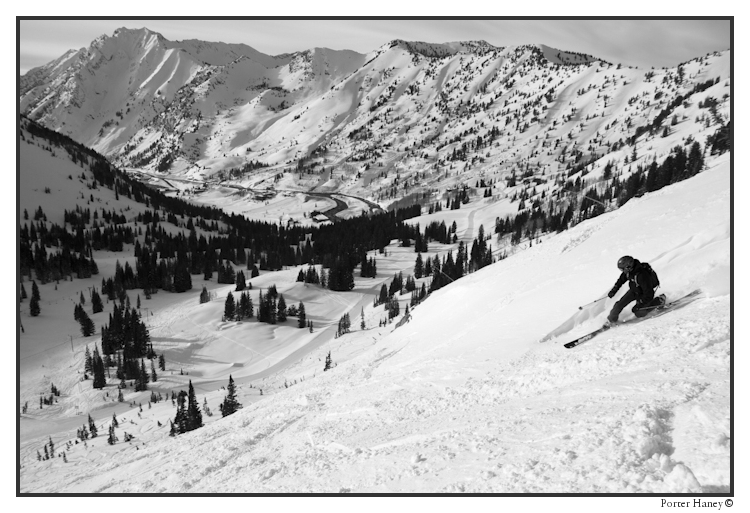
(331, 213)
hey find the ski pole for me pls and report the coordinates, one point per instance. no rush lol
(594, 301)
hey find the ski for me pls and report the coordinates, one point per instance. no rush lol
(586, 338)
(655, 312)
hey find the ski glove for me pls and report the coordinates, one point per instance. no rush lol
(612, 293)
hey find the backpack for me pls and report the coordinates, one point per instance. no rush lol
(651, 275)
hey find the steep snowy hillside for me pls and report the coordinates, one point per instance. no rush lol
(463, 398)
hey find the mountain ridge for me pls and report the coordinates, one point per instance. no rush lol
(407, 119)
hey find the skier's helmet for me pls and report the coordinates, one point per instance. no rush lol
(626, 263)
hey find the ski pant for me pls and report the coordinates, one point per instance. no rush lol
(638, 310)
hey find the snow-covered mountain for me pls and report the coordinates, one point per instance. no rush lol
(114, 93)
(458, 397)
(408, 119)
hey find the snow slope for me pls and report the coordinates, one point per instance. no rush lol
(464, 399)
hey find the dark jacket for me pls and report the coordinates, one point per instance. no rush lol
(640, 282)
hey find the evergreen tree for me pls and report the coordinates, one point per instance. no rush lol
(341, 276)
(418, 266)
(362, 323)
(87, 325)
(328, 362)
(142, 381)
(153, 372)
(396, 285)
(720, 141)
(114, 420)
(262, 307)
(112, 438)
(344, 325)
(162, 363)
(272, 309)
(180, 418)
(88, 364)
(194, 417)
(100, 381)
(204, 298)
(281, 309)
(323, 278)
(82, 300)
(383, 294)
(182, 280)
(311, 275)
(240, 282)
(34, 309)
(92, 427)
(96, 302)
(695, 159)
(244, 308)
(230, 404)
(23, 292)
(393, 307)
(229, 276)
(301, 318)
(229, 307)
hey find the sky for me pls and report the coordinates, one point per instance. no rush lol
(642, 43)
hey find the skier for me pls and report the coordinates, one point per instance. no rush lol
(642, 281)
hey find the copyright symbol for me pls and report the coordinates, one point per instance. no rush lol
(729, 503)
